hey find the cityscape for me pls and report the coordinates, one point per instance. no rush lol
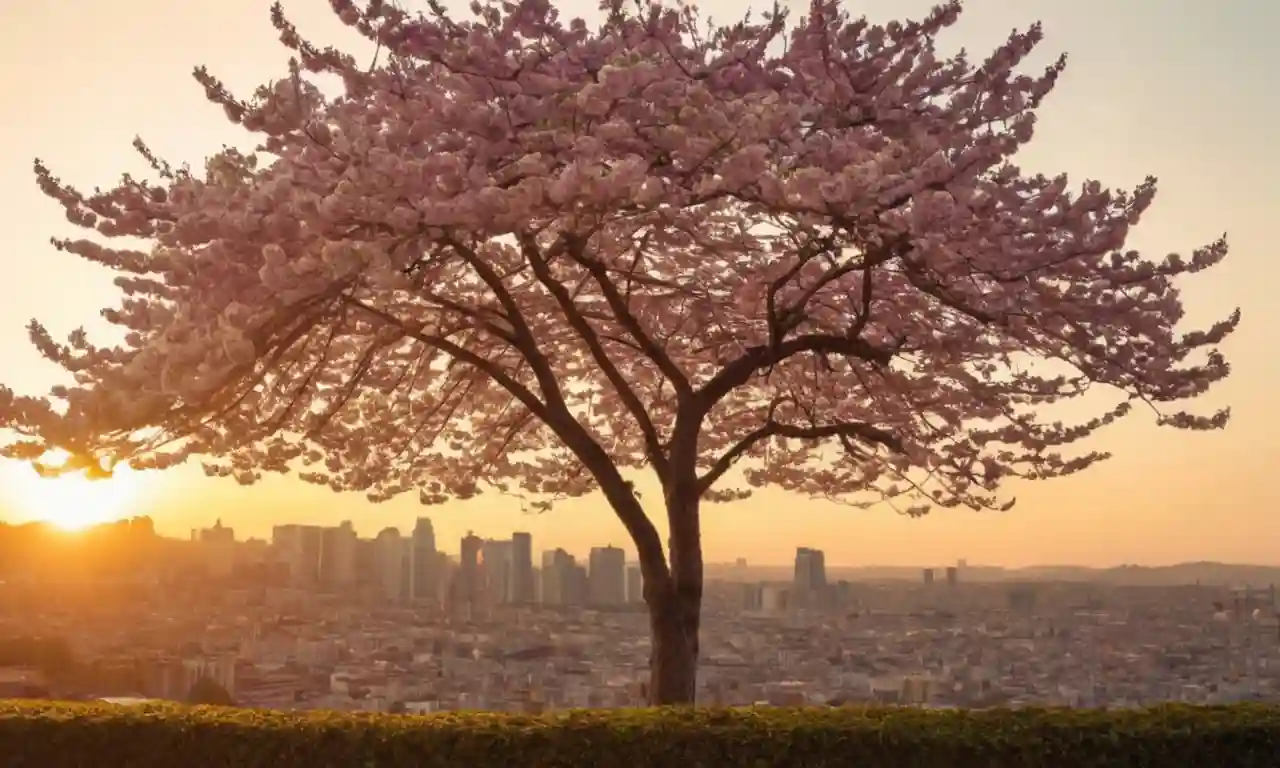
(598, 382)
(322, 618)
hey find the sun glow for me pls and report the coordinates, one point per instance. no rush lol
(71, 502)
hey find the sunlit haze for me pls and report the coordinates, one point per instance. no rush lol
(1172, 88)
(70, 502)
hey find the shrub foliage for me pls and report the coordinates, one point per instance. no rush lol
(42, 735)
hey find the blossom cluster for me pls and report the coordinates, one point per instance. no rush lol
(518, 246)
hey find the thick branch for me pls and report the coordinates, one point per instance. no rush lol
(558, 419)
(517, 390)
(523, 338)
(856, 430)
(576, 319)
(783, 320)
(919, 279)
(741, 369)
(628, 320)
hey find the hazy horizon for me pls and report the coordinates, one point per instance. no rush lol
(451, 549)
(1169, 88)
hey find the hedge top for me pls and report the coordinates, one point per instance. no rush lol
(46, 735)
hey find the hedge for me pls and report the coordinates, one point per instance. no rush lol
(44, 735)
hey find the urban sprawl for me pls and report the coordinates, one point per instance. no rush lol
(319, 618)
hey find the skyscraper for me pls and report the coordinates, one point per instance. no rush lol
(577, 585)
(497, 567)
(390, 555)
(366, 563)
(810, 577)
(557, 568)
(217, 549)
(299, 547)
(422, 558)
(338, 556)
(635, 585)
(468, 576)
(608, 577)
(522, 583)
(442, 570)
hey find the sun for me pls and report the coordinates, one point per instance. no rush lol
(71, 502)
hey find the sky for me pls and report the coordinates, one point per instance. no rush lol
(1173, 88)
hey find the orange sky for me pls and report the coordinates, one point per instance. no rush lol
(1168, 87)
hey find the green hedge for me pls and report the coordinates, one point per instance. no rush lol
(40, 735)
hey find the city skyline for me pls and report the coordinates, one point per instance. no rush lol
(413, 569)
(1196, 497)
(162, 626)
(911, 570)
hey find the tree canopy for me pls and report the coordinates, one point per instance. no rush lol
(526, 254)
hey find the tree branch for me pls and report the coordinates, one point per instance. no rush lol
(782, 321)
(576, 248)
(558, 419)
(517, 390)
(741, 369)
(541, 270)
(847, 430)
(522, 337)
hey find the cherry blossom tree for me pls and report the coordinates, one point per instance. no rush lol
(529, 256)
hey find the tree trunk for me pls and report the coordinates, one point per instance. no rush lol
(675, 604)
(673, 665)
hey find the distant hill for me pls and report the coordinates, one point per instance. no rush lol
(1208, 573)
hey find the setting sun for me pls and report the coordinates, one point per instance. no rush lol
(71, 502)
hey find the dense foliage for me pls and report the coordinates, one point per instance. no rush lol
(61, 736)
(547, 242)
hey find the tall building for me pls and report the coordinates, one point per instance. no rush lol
(299, 547)
(774, 598)
(391, 556)
(468, 575)
(953, 576)
(311, 549)
(366, 563)
(557, 568)
(522, 581)
(497, 571)
(928, 576)
(810, 577)
(635, 585)
(217, 550)
(422, 558)
(442, 569)
(608, 577)
(577, 586)
(286, 542)
(338, 556)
